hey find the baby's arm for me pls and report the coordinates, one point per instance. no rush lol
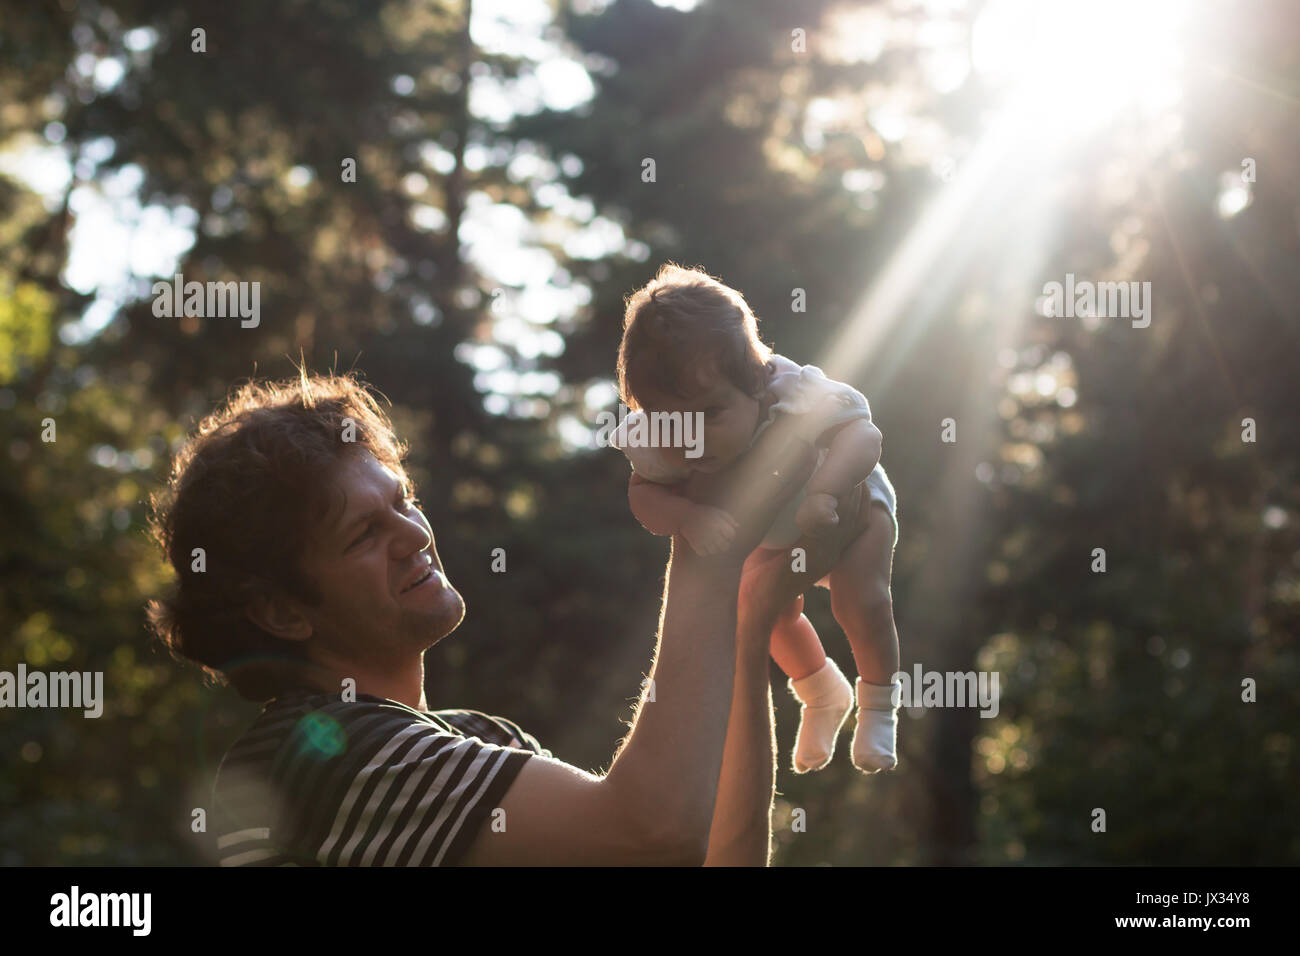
(663, 510)
(659, 508)
(853, 454)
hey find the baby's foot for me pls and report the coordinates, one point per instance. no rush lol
(827, 698)
(875, 737)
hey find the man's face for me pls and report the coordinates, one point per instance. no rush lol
(364, 556)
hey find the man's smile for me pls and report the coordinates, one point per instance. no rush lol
(431, 574)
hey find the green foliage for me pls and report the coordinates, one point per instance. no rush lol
(24, 327)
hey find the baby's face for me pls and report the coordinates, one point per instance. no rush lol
(730, 417)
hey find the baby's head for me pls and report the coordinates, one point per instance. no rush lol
(691, 344)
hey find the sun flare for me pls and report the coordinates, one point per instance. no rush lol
(1084, 62)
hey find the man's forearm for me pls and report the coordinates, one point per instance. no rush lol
(741, 834)
(667, 771)
(671, 760)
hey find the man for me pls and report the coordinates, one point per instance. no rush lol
(310, 580)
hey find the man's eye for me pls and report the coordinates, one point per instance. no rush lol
(403, 504)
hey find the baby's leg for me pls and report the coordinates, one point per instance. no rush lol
(796, 648)
(816, 682)
(861, 603)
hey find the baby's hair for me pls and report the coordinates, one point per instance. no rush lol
(678, 322)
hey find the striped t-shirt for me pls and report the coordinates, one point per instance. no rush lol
(316, 781)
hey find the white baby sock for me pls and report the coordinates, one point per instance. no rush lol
(827, 698)
(874, 739)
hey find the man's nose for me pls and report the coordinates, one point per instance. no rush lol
(416, 535)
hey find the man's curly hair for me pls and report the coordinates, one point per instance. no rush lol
(247, 487)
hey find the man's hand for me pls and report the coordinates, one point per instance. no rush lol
(708, 530)
(759, 484)
(817, 514)
(768, 583)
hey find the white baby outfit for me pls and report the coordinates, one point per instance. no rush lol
(821, 403)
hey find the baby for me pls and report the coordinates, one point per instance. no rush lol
(690, 345)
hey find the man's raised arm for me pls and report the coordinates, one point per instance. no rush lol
(655, 804)
(741, 834)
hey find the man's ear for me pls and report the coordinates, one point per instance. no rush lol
(278, 616)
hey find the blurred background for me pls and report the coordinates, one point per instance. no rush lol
(890, 184)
